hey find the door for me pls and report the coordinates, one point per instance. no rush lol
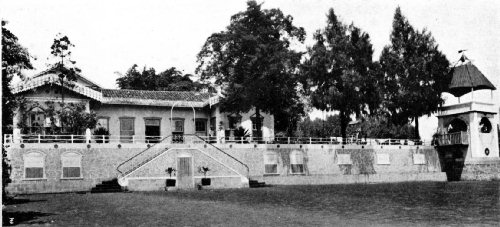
(185, 172)
(152, 130)
(201, 127)
(126, 130)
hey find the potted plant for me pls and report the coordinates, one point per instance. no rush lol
(204, 181)
(241, 134)
(101, 135)
(170, 182)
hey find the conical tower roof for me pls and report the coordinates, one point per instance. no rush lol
(467, 77)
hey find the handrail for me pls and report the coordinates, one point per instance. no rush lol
(455, 138)
(171, 136)
(246, 166)
(161, 141)
(41, 138)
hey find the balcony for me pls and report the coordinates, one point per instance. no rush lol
(456, 138)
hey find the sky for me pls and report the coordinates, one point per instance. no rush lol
(111, 36)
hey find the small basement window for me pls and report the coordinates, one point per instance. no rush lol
(271, 163)
(297, 162)
(71, 165)
(34, 165)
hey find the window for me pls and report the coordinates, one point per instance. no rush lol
(34, 165)
(254, 125)
(271, 163)
(233, 121)
(126, 130)
(297, 162)
(36, 120)
(179, 125)
(71, 165)
(103, 122)
(201, 125)
(152, 126)
(212, 124)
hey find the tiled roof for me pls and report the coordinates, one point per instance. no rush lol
(53, 79)
(157, 95)
(157, 98)
(465, 77)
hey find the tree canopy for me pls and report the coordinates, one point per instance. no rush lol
(415, 73)
(253, 61)
(62, 64)
(15, 58)
(339, 71)
(169, 80)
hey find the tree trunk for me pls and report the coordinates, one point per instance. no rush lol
(62, 101)
(344, 121)
(258, 123)
(417, 134)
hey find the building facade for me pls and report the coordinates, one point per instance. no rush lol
(130, 116)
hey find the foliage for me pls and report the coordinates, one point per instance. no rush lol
(15, 58)
(370, 127)
(339, 71)
(415, 72)
(102, 135)
(252, 59)
(63, 66)
(170, 170)
(381, 127)
(319, 128)
(75, 119)
(168, 80)
(363, 161)
(204, 170)
(240, 133)
(286, 120)
(101, 132)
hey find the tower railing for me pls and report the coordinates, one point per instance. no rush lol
(456, 138)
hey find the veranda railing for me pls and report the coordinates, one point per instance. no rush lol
(24, 138)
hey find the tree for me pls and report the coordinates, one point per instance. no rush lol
(415, 73)
(15, 58)
(76, 119)
(339, 71)
(64, 66)
(168, 80)
(253, 62)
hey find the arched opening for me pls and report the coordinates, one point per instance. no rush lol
(485, 125)
(457, 125)
(34, 165)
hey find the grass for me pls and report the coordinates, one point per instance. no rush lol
(426, 203)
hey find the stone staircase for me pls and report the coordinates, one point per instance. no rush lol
(256, 184)
(107, 187)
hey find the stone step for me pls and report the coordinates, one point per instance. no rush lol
(107, 186)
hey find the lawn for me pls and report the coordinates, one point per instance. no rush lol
(345, 205)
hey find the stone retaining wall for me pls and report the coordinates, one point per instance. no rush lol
(323, 164)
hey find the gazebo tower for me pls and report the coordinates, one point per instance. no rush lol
(468, 132)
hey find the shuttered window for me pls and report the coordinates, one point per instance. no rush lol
(34, 165)
(71, 165)
(297, 162)
(271, 163)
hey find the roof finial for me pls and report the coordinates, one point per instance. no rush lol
(463, 58)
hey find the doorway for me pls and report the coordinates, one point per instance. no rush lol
(152, 132)
(185, 172)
